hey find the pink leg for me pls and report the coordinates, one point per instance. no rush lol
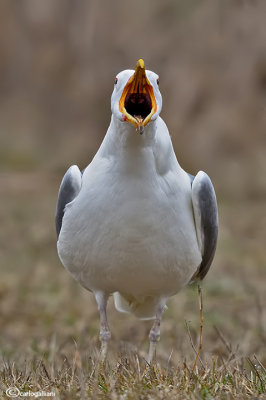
(105, 334)
(154, 335)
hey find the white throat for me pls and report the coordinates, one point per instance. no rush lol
(154, 146)
(126, 135)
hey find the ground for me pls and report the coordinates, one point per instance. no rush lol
(58, 62)
(49, 324)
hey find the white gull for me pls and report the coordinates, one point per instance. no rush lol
(134, 223)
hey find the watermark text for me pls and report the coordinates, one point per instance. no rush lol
(15, 392)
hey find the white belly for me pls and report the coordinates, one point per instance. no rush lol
(133, 236)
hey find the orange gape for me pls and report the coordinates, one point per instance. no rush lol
(138, 83)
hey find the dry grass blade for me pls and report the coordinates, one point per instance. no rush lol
(225, 342)
(201, 329)
(257, 373)
(259, 362)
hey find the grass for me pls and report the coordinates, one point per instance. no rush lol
(49, 324)
(130, 377)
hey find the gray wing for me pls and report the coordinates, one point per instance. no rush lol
(206, 221)
(69, 189)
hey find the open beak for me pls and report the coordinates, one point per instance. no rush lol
(137, 102)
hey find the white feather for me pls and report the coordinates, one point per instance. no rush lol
(131, 228)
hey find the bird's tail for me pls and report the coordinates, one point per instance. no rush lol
(143, 309)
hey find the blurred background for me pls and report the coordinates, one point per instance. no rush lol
(58, 61)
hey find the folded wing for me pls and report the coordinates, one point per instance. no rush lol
(69, 189)
(206, 221)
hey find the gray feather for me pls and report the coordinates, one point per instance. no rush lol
(204, 197)
(69, 189)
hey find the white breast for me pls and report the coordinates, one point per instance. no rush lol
(131, 229)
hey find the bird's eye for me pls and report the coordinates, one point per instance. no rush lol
(116, 80)
(157, 81)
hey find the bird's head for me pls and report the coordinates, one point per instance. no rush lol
(136, 98)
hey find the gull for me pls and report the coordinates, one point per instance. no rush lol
(134, 224)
